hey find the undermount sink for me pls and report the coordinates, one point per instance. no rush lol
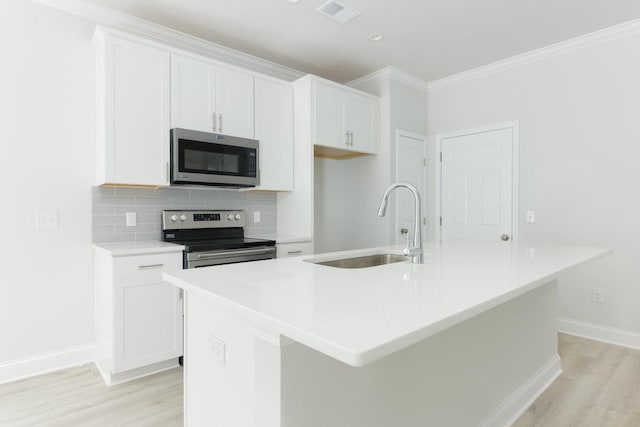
(363, 261)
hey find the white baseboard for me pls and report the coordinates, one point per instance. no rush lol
(602, 333)
(44, 363)
(516, 404)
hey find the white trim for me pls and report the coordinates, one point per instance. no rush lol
(601, 333)
(571, 45)
(390, 73)
(515, 127)
(15, 370)
(158, 33)
(515, 405)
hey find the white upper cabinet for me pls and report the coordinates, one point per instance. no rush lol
(193, 94)
(133, 111)
(274, 130)
(210, 98)
(345, 119)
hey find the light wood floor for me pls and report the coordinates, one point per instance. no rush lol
(78, 397)
(600, 387)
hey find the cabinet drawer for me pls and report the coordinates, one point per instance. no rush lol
(284, 250)
(147, 268)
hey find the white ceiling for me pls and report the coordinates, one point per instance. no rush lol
(429, 39)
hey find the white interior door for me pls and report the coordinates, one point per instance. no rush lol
(477, 185)
(410, 165)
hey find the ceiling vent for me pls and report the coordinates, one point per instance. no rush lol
(338, 11)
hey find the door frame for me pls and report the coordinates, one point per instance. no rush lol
(515, 132)
(423, 198)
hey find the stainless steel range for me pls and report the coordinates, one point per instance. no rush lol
(213, 237)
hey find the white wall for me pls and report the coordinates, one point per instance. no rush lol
(47, 97)
(348, 192)
(579, 162)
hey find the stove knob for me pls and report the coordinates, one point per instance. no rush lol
(238, 217)
(183, 217)
(230, 217)
(174, 218)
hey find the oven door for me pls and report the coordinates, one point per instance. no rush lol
(231, 256)
(213, 159)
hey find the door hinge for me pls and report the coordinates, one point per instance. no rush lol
(424, 220)
(441, 156)
(424, 162)
(440, 220)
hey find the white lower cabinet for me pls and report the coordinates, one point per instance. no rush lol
(138, 315)
(285, 250)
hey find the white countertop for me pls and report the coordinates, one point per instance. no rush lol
(361, 315)
(282, 238)
(138, 248)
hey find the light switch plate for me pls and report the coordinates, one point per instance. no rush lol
(531, 217)
(47, 219)
(131, 219)
(216, 349)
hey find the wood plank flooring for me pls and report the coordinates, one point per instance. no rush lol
(600, 387)
(79, 397)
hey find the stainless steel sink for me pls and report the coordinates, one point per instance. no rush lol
(363, 261)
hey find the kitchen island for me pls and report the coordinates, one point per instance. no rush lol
(467, 338)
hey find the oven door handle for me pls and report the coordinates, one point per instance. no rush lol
(226, 254)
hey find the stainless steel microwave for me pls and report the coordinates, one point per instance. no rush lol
(203, 158)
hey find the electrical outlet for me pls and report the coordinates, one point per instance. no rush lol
(131, 219)
(597, 295)
(47, 219)
(216, 349)
(531, 217)
(256, 217)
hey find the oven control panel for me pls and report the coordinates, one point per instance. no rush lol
(190, 219)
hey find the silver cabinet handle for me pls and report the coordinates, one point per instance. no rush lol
(215, 122)
(351, 137)
(294, 252)
(505, 237)
(346, 134)
(220, 122)
(144, 267)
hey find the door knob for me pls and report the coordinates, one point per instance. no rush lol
(505, 237)
(403, 231)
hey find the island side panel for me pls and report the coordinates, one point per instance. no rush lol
(219, 382)
(467, 375)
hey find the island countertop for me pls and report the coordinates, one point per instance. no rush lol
(358, 316)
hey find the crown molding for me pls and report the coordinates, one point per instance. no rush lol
(158, 33)
(390, 73)
(601, 36)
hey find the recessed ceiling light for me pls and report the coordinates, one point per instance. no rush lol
(376, 37)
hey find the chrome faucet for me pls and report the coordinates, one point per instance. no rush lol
(414, 250)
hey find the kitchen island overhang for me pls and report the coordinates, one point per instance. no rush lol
(293, 313)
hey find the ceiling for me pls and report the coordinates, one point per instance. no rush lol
(429, 39)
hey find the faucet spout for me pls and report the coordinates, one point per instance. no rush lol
(415, 249)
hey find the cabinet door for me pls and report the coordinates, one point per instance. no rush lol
(133, 141)
(192, 94)
(147, 312)
(274, 130)
(234, 103)
(361, 119)
(329, 124)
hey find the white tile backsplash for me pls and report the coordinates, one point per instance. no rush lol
(110, 204)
